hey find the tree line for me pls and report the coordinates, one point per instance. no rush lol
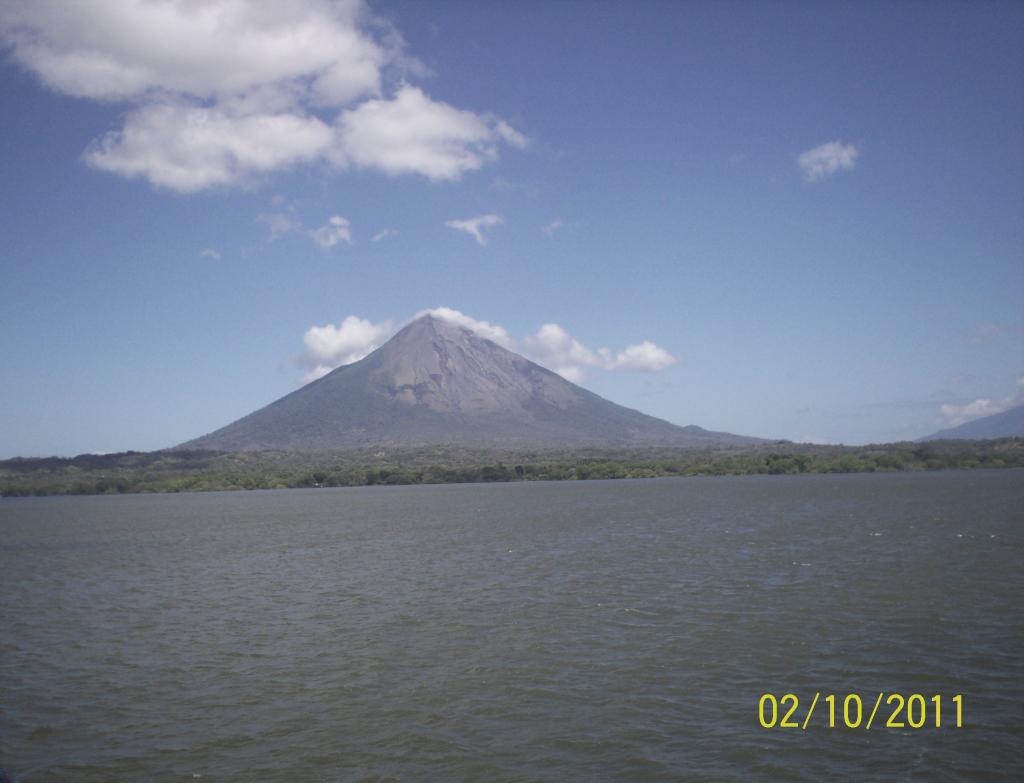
(197, 470)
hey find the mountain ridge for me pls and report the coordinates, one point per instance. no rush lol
(437, 382)
(1007, 424)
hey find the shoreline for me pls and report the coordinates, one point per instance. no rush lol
(202, 471)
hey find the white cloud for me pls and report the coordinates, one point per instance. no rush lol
(412, 134)
(334, 231)
(491, 331)
(314, 373)
(125, 49)
(552, 227)
(963, 413)
(509, 134)
(280, 223)
(209, 252)
(827, 159)
(553, 346)
(572, 374)
(384, 233)
(190, 148)
(330, 346)
(959, 414)
(644, 357)
(228, 91)
(475, 226)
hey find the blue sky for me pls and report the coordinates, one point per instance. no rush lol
(793, 220)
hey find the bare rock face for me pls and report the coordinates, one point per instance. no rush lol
(436, 382)
(450, 369)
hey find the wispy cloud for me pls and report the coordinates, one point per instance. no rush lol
(280, 223)
(827, 159)
(383, 234)
(209, 252)
(550, 228)
(986, 333)
(475, 226)
(224, 93)
(336, 230)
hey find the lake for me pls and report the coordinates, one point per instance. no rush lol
(576, 631)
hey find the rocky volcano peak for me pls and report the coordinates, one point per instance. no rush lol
(438, 382)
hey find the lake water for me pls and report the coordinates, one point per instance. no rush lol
(590, 631)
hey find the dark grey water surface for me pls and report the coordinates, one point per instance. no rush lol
(593, 631)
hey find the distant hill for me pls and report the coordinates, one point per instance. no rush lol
(1008, 424)
(436, 382)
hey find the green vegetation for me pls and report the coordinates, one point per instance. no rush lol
(195, 470)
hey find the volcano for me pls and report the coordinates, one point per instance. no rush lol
(1007, 424)
(438, 383)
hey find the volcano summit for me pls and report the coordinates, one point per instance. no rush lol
(436, 382)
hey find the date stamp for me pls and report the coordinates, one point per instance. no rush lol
(898, 711)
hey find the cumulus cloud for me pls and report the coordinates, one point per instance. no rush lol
(827, 159)
(492, 332)
(209, 252)
(223, 92)
(330, 346)
(644, 357)
(475, 226)
(957, 414)
(553, 346)
(410, 133)
(122, 49)
(192, 148)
